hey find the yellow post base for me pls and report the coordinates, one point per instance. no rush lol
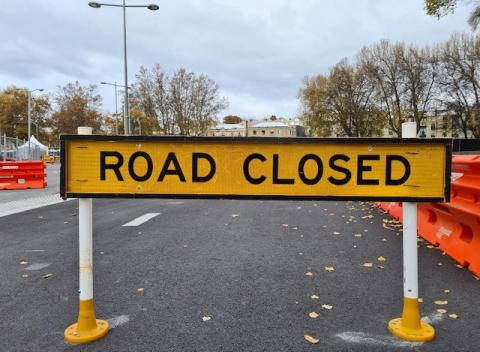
(87, 328)
(409, 327)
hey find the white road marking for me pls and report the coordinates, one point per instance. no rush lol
(363, 338)
(117, 321)
(434, 318)
(37, 266)
(141, 219)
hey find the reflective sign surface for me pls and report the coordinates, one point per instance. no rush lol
(289, 168)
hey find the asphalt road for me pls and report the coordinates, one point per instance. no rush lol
(236, 262)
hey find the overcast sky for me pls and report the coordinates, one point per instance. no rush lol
(258, 51)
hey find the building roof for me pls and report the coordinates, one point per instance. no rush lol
(270, 124)
(229, 126)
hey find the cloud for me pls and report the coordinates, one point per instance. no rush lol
(258, 51)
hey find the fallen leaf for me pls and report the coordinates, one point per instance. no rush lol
(314, 297)
(25, 275)
(329, 269)
(367, 265)
(336, 233)
(441, 303)
(206, 318)
(313, 315)
(446, 291)
(367, 217)
(476, 277)
(235, 215)
(308, 273)
(430, 246)
(47, 276)
(420, 300)
(102, 252)
(295, 228)
(40, 217)
(454, 316)
(141, 289)
(23, 263)
(442, 311)
(311, 339)
(285, 225)
(384, 239)
(358, 235)
(439, 264)
(327, 306)
(459, 266)
(381, 259)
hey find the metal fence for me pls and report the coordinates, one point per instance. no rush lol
(19, 149)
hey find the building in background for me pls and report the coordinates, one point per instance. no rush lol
(253, 128)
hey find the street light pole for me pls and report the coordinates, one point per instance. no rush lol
(116, 106)
(29, 98)
(152, 7)
(126, 110)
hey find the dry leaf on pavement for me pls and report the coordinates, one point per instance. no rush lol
(327, 306)
(367, 265)
(206, 318)
(308, 273)
(47, 276)
(235, 215)
(441, 303)
(285, 225)
(23, 263)
(454, 316)
(381, 259)
(313, 315)
(311, 339)
(446, 291)
(141, 289)
(329, 269)
(442, 311)
(314, 297)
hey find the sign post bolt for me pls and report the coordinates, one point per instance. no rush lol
(410, 327)
(87, 328)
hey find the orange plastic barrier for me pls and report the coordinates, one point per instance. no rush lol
(22, 175)
(455, 226)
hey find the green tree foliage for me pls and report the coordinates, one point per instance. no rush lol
(440, 8)
(14, 112)
(341, 102)
(229, 119)
(76, 105)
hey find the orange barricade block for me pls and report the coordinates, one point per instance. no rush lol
(454, 227)
(22, 175)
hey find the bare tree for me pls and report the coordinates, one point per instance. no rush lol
(460, 81)
(420, 70)
(344, 99)
(384, 63)
(183, 103)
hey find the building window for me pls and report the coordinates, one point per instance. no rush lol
(263, 132)
(272, 132)
(433, 127)
(254, 132)
(390, 132)
(279, 131)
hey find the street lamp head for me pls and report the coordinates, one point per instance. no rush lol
(153, 7)
(95, 5)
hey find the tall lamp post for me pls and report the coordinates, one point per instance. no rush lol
(29, 95)
(152, 7)
(116, 107)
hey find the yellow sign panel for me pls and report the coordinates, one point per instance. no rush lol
(253, 168)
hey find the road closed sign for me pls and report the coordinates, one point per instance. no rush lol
(255, 168)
